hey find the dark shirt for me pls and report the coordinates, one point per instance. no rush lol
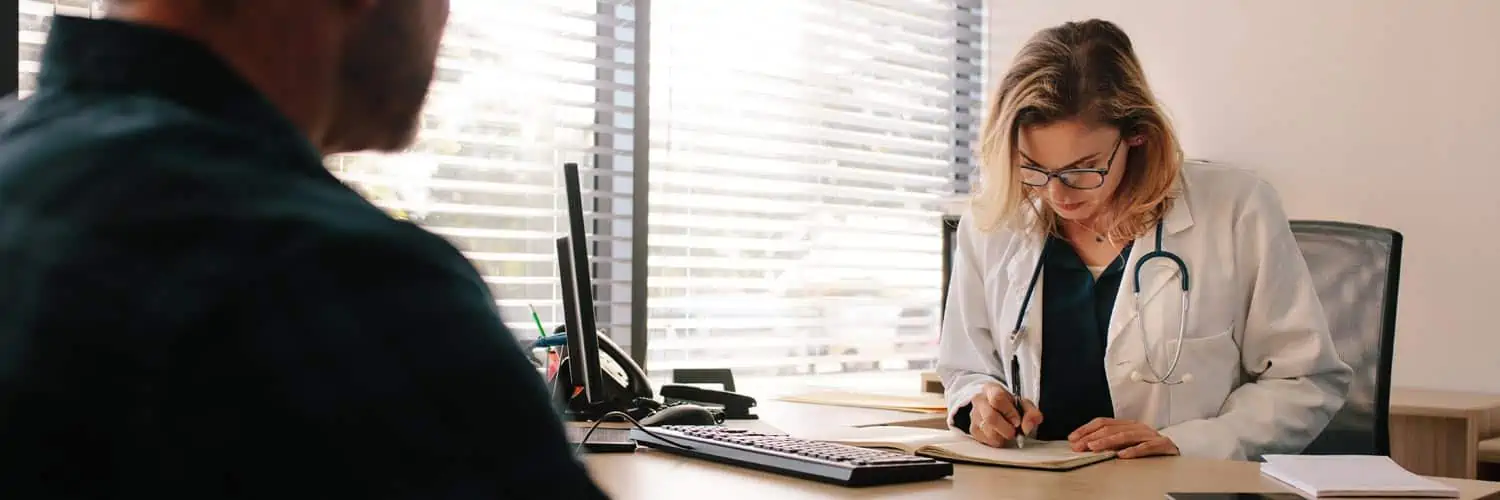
(191, 306)
(1076, 311)
(1075, 327)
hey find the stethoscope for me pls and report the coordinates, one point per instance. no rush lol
(1156, 377)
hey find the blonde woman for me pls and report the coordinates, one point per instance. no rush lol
(1107, 295)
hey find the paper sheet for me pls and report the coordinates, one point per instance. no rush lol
(1351, 475)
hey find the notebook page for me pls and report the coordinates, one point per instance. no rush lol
(1341, 475)
(1035, 452)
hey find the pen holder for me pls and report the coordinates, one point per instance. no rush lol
(548, 359)
(548, 352)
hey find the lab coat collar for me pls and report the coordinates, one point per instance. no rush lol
(1179, 216)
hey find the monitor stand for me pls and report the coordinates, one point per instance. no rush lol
(576, 407)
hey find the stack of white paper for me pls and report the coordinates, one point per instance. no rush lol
(1325, 476)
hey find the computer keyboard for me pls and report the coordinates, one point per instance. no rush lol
(828, 462)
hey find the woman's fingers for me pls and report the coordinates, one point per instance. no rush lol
(1154, 447)
(995, 422)
(1124, 437)
(986, 436)
(999, 399)
(1032, 419)
(1090, 428)
(980, 429)
(1094, 431)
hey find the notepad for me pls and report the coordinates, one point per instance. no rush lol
(1324, 476)
(954, 446)
(927, 403)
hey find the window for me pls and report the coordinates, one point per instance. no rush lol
(800, 153)
(800, 156)
(522, 87)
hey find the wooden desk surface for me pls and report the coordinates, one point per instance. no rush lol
(1489, 450)
(1437, 403)
(649, 474)
(654, 475)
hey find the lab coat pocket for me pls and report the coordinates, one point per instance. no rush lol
(1211, 366)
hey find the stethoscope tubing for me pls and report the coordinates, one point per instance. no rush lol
(1158, 253)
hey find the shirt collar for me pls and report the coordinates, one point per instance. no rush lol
(113, 56)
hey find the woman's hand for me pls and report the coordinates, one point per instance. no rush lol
(1131, 438)
(993, 419)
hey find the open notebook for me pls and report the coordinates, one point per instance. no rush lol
(954, 446)
(1324, 476)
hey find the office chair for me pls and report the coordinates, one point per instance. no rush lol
(1357, 272)
(950, 238)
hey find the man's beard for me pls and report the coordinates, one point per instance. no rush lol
(383, 82)
(375, 117)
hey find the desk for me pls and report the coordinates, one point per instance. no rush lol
(1437, 433)
(1489, 459)
(649, 474)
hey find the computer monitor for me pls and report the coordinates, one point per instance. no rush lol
(570, 311)
(578, 294)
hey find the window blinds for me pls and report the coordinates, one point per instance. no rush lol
(523, 86)
(800, 154)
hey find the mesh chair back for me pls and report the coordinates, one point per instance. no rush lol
(1356, 269)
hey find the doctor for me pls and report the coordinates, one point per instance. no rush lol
(1126, 301)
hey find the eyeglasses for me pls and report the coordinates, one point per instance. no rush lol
(1076, 178)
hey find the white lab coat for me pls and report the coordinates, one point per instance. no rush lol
(1264, 374)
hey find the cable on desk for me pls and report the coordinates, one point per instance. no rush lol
(633, 421)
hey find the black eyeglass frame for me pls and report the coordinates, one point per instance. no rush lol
(1103, 172)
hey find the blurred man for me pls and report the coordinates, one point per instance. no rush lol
(191, 306)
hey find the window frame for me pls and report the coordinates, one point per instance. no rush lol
(12, 56)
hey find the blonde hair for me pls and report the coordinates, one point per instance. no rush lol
(1079, 70)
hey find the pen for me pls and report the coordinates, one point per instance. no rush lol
(1015, 395)
(538, 319)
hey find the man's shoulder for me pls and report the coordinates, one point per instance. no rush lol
(76, 125)
(57, 146)
(158, 182)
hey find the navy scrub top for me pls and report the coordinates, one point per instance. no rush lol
(1076, 309)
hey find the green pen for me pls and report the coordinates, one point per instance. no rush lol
(538, 319)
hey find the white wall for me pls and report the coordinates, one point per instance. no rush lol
(1384, 112)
